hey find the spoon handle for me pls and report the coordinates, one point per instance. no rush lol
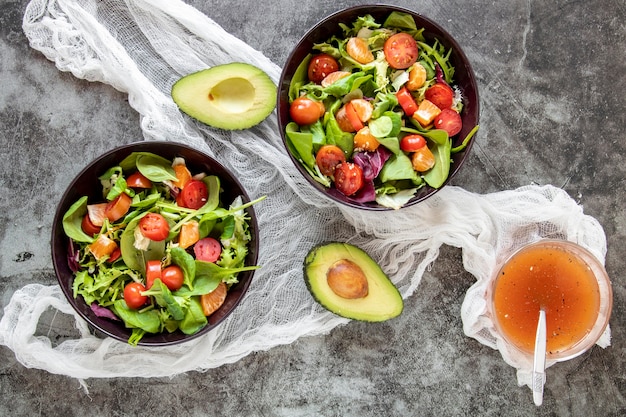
(539, 361)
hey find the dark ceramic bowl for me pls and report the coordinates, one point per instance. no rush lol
(87, 183)
(463, 79)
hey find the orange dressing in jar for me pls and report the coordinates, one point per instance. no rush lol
(555, 279)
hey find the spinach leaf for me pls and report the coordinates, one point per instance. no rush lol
(148, 321)
(155, 168)
(400, 20)
(136, 258)
(72, 220)
(299, 78)
(398, 167)
(300, 144)
(203, 284)
(194, 318)
(391, 143)
(163, 296)
(437, 175)
(213, 185)
(186, 262)
(319, 136)
(215, 271)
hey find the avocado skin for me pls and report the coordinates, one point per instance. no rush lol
(383, 302)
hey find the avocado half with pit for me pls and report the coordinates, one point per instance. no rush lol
(345, 280)
(232, 96)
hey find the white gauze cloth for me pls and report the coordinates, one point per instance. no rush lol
(141, 47)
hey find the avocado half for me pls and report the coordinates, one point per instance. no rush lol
(232, 96)
(382, 301)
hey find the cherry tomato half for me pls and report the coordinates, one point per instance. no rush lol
(328, 157)
(348, 178)
(118, 208)
(320, 66)
(406, 101)
(305, 111)
(153, 272)
(88, 227)
(154, 227)
(173, 277)
(133, 297)
(441, 95)
(400, 50)
(138, 180)
(207, 249)
(411, 143)
(194, 195)
(115, 255)
(448, 120)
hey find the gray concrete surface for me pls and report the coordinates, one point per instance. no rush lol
(552, 80)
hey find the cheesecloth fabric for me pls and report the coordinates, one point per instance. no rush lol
(141, 47)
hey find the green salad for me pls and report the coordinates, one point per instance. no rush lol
(373, 112)
(158, 251)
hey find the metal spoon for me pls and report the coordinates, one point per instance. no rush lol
(539, 360)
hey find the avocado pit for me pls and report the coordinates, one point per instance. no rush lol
(233, 95)
(347, 280)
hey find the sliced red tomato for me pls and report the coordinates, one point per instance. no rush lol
(448, 120)
(207, 249)
(328, 157)
(133, 297)
(88, 227)
(359, 50)
(115, 255)
(173, 277)
(348, 178)
(118, 208)
(97, 213)
(138, 180)
(411, 143)
(305, 111)
(320, 66)
(441, 95)
(400, 50)
(353, 117)
(194, 195)
(153, 272)
(406, 101)
(154, 227)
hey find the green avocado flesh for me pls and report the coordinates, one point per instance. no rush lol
(232, 96)
(383, 300)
